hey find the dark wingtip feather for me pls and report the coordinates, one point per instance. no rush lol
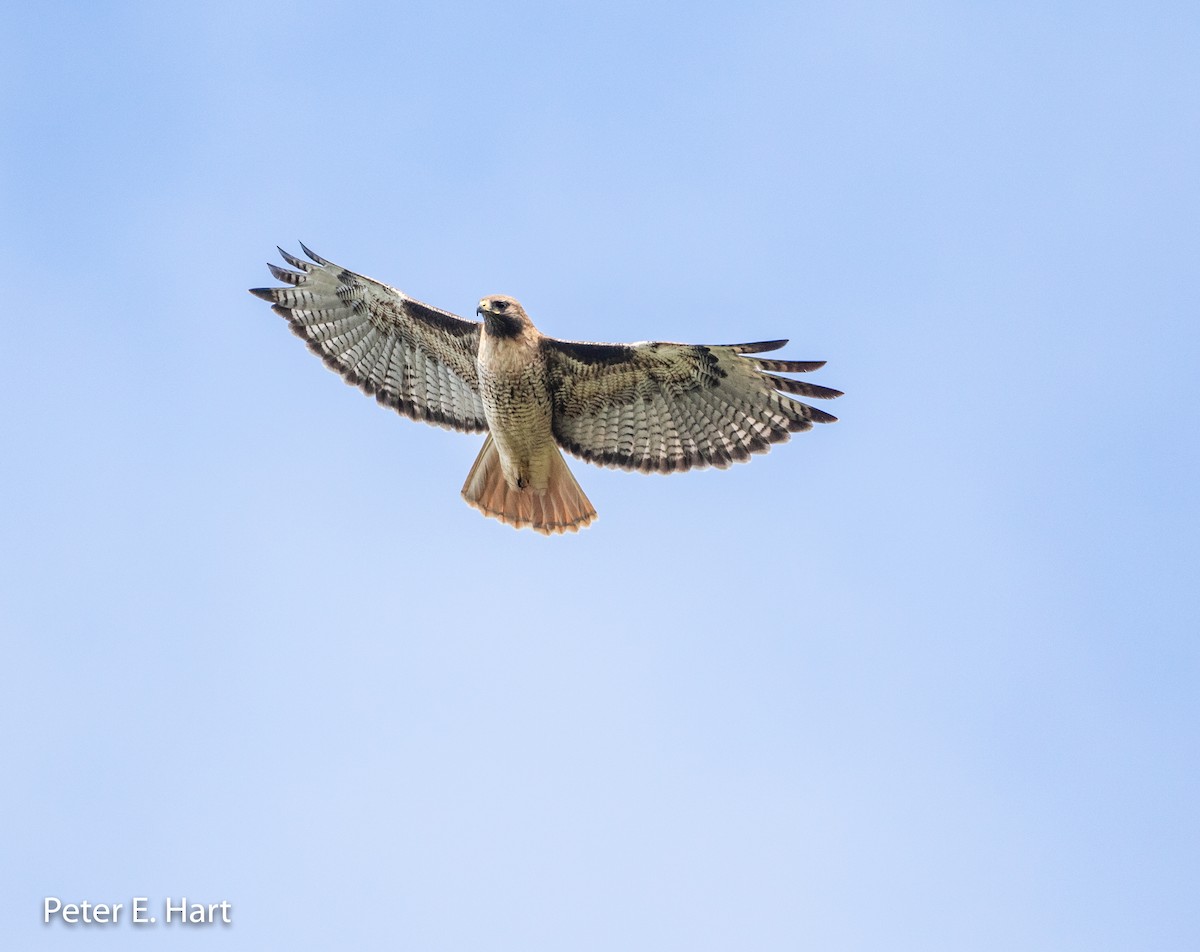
(758, 347)
(312, 254)
(287, 277)
(802, 387)
(267, 294)
(305, 266)
(788, 366)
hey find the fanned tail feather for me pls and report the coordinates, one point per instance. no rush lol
(562, 507)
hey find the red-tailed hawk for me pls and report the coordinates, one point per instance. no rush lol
(653, 407)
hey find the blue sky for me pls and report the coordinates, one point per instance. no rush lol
(923, 679)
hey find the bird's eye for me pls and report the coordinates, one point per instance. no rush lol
(501, 306)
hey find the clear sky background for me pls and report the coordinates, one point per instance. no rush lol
(924, 679)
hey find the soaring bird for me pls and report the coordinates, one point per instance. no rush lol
(652, 406)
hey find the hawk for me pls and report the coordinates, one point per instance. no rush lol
(653, 407)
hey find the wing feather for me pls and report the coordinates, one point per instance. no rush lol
(789, 366)
(287, 277)
(662, 407)
(412, 357)
(757, 347)
(802, 388)
(305, 266)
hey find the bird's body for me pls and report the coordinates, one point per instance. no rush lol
(654, 407)
(517, 405)
(520, 476)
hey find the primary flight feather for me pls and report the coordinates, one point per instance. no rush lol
(653, 407)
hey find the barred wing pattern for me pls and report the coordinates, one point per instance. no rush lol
(660, 407)
(417, 359)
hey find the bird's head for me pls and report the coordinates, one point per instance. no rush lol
(503, 316)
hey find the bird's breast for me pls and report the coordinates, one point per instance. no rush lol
(516, 402)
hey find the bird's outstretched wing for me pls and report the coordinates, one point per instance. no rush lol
(659, 407)
(412, 357)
